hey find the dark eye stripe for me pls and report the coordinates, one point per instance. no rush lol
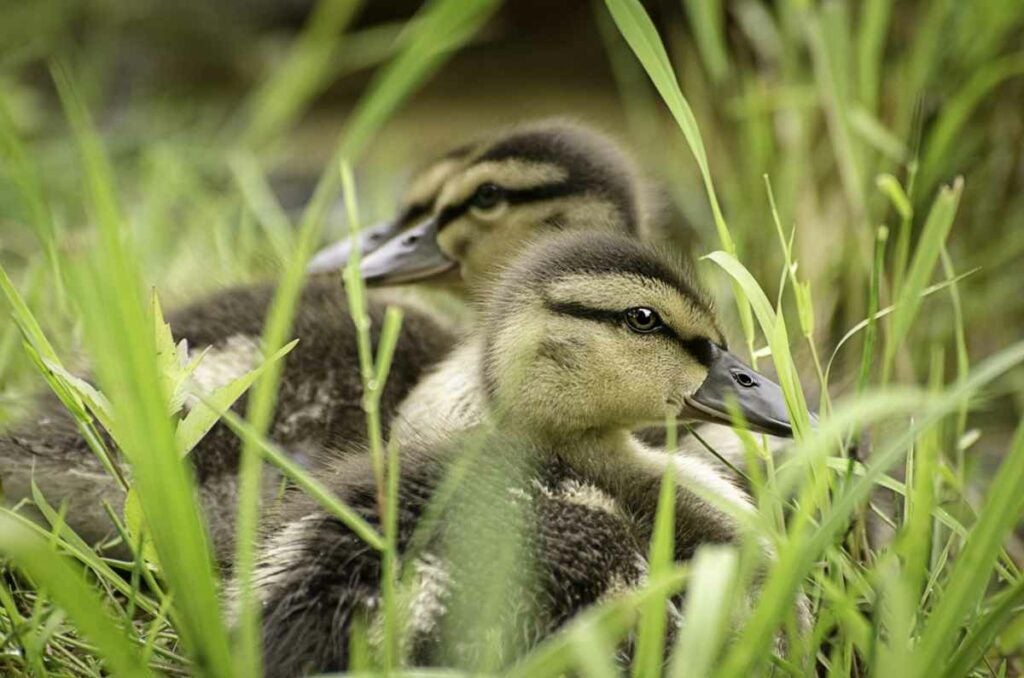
(514, 196)
(701, 348)
(414, 212)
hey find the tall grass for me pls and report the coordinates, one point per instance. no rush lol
(860, 233)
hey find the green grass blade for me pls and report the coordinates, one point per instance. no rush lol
(707, 611)
(120, 336)
(1004, 506)
(707, 18)
(985, 629)
(260, 411)
(611, 620)
(25, 175)
(303, 478)
(798, 555)
(637, 28)
(874, 21)
(853, 331)
(650, 644)
(929, 247)
(440, 28)
(263, 204)
(774, 329)
(867, 355)
(26, 321)
(70, 590)
(301, 75)
(955, 114)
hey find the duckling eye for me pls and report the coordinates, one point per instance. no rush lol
(487, 196)
(643, 320)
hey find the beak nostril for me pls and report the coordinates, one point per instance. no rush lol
(744, 379)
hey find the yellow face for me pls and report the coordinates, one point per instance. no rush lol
(595, 351)
(489, 211)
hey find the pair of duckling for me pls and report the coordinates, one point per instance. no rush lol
(463, 218)
(583, 335)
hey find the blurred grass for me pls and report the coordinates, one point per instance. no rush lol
(862, 117)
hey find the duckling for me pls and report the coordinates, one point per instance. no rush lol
(485, 200)
(546, 176)
(583, 339)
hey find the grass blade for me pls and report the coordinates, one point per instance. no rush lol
(69, 589)
(1003, 508)
(650, 644)
(929, 247)
(122, 342)
(707, 611)
(637, 28)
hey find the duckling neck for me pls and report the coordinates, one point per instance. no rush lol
(449, 399)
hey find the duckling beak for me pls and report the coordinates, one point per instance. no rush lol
(411, 255)
(335, 256)
(759, 398)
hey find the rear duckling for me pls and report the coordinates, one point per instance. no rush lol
(549, 176)
(583, 339)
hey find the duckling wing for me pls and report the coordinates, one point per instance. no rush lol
(511, 556)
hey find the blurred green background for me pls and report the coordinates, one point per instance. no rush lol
(199, 102)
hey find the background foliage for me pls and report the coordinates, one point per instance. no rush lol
(175, 144)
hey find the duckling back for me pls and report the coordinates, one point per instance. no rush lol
(319, 404)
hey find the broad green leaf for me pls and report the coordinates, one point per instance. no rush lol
(97, 403)
(205, 412)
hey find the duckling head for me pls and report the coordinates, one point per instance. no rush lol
(549, 176)
(595, 332)
(415, 206)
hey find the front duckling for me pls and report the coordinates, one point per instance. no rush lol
(584, 338)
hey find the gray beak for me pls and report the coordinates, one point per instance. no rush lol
(411, 255)
(759, 398)
(335, 256)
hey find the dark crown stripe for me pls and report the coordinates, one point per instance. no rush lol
(625, 260)
(592, 163)
(577, 310)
